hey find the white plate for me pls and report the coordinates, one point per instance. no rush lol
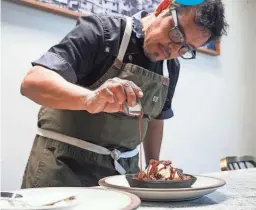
(86, 198)
(203, 186)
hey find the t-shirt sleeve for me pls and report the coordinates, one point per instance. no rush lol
(173, 69)
(72, 58)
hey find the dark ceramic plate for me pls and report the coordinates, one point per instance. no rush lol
(133, 182)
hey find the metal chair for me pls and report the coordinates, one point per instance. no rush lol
(236, 163)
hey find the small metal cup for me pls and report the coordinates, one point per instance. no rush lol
(133, 111)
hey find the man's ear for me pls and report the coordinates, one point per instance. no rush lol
(162, 6)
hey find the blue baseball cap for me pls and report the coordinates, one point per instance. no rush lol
(190, 2)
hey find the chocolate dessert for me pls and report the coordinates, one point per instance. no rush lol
(161, 170)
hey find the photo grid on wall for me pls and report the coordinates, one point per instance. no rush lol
(116, 8)
(106, 7)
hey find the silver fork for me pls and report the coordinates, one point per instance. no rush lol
(12, 201)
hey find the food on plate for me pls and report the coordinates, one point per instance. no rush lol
(161, 170)
(160, 174)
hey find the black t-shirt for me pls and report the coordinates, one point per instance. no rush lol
(90, 49)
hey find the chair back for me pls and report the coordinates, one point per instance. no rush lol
(236, 163)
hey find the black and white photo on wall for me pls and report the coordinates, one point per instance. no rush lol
(75, 8)
(101, 7)
(109, 7)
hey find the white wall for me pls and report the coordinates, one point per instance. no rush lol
(214, 100)
(250, 83)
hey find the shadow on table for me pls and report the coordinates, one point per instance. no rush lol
(201, 202)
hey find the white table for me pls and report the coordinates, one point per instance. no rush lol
(238, 194)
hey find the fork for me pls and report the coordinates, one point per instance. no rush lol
(12, 201)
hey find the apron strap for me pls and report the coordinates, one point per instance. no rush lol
(165, 69)
(126, 39)
(115, 154)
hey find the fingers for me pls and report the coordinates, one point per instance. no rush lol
(132, 91)
(118, 91)
(137, 90)
(106, 95)
(130, 95)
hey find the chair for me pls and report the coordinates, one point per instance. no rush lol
(236, 163)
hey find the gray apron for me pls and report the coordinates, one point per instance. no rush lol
(76, 148)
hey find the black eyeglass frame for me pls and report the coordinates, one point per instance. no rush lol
(182, 37)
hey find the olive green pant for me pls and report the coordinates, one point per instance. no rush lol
(55, 164)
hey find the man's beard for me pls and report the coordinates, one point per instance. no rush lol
(151, 56)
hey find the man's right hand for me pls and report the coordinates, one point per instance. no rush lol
(111, 95)
(49, 89)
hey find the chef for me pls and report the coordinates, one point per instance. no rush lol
(88, 82)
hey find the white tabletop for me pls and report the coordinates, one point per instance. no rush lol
(238, 194)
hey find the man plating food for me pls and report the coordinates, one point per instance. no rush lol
(87, 82)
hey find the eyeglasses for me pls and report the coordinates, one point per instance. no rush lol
(177, 37)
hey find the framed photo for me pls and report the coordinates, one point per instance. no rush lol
(75, 8)
(211, 48)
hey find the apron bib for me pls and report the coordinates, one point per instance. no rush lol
(86, 147)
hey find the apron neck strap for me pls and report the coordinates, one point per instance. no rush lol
(125, 39)
(165, 69)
